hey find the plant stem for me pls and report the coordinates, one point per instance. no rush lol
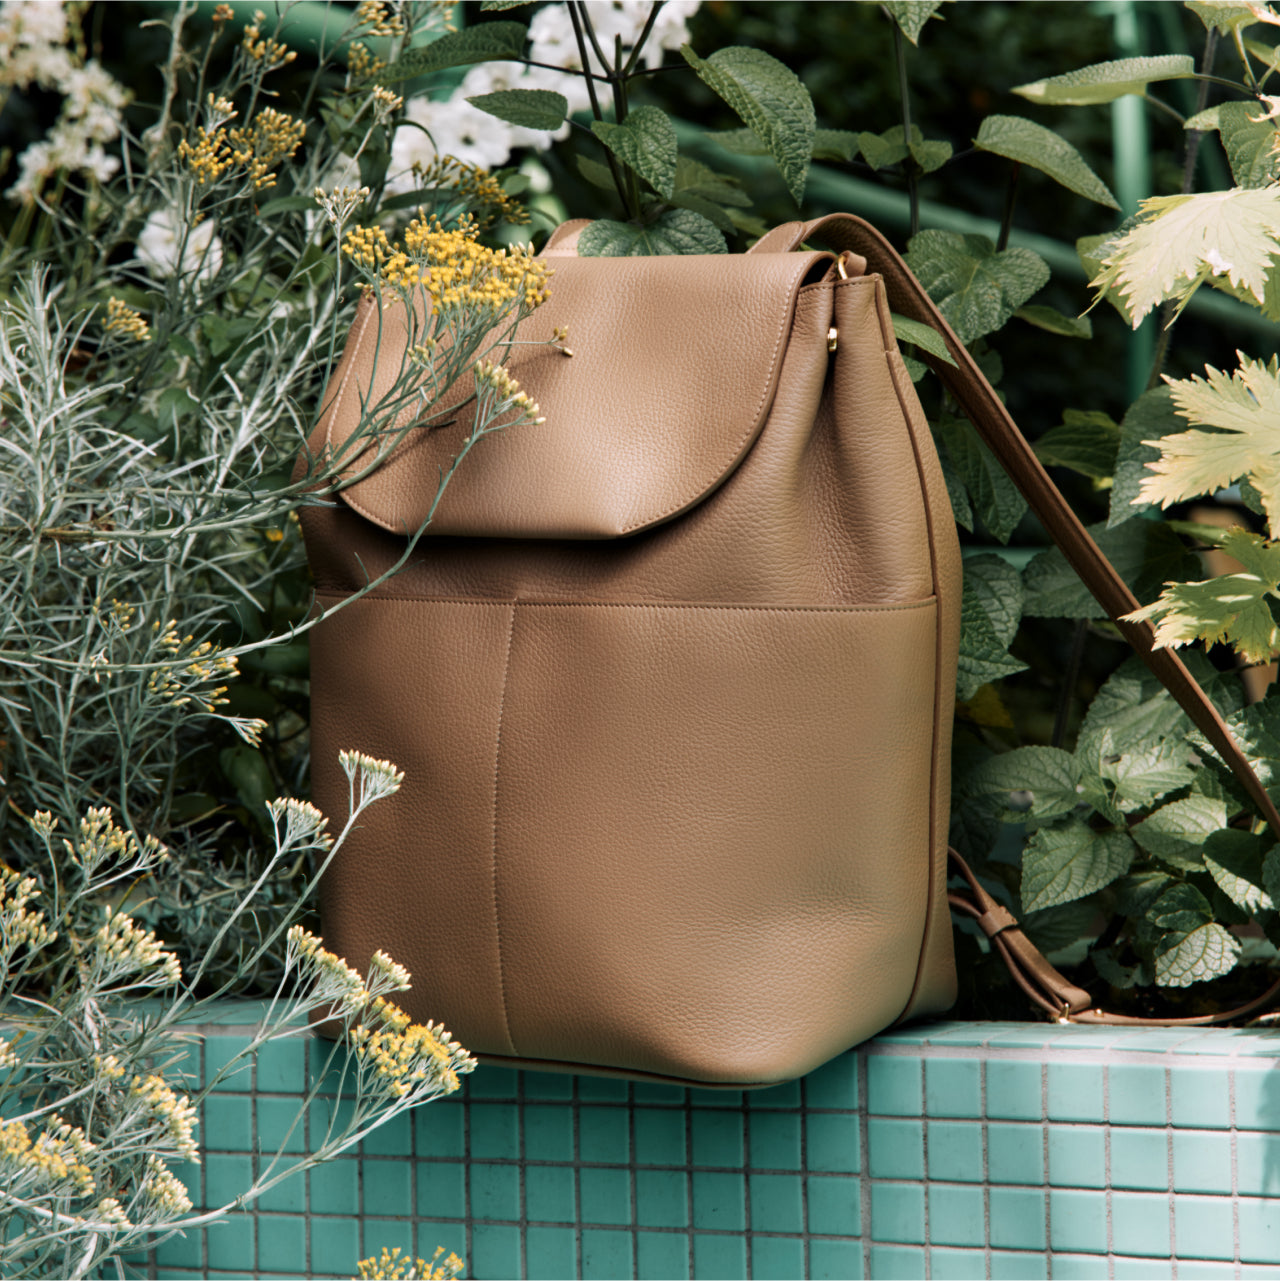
(1069, 681)
(643, 38)
(1010, 200)
(620, 109)
(909, 166)
(614, 171)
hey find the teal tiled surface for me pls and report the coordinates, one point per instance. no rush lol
(956, 1150)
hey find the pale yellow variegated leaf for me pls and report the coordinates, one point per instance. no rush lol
(1244, 407)
(1181, 241)
(1232, 609)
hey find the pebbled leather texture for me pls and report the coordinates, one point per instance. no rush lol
(671, 680)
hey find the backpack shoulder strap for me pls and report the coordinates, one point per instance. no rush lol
(984, 409)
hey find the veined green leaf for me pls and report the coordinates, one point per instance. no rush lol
(1231, 17)
(1037, 783)
(678, 231)
(1268, 55)
(739, 142)
(834, 144)
(1053, 928)
(528, 108)
(485, 42)
(1106, 81)
(1052, 321)
(1151, 417)
(888, 148)
(922, 335)
(771, 101)
(1086, 442)
(1206, 121)
(1064, 863)
(1041, 148)
(983, 658)
(1257, 729)
(701, 180)
(911, 15)
(995, 498)
(1091, 251)
(646, 141)
(595, 173)
(708, 209)
(1141, 776)
(1181, 241)
(976, 288)
(998, 588)
(1252, 144)
(1177, 832)
(1235, 861)
(1207, 952)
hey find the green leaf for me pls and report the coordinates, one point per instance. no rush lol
(1228, 18)
(595, 173)
(1252, 145)
(1115, 974)
(1150, 417)
(708, 209)
(930, 153)
(998, 587)
(961, 508)
(1034, 783)
(1141, 776)
(1232, 609)
(1176, 832)
(983, 658)
(646, 141)
(1136, 892)
(700, 180)
(1206, 121)
(740, 142)
(678, 231)
(1135, 706)
(1041, 148)
(1193, 946)
(246, 770)
(1053, 321)
(834, 144)
(1106, 81)
(1147, 554)
(1053, 928)
(770, 99)
(888, 148)
(911, 15)
(1092, 250)
(1257, 729)
(922, 335)
(1180, 908)
(1086, 442)
(1179, 242)
(1244, 409)
(995, 498)
(976, 288)
(286, 204)
(1235, 861)
(1268, 55)
(528, 108)
(485, 42)
(1064, 863)
(1271, 873)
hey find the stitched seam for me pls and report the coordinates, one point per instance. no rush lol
(605, 604)
(342, 390)
(497, 757)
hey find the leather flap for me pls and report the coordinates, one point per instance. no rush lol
(674, 370)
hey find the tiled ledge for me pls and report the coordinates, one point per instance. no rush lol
(950, 1150)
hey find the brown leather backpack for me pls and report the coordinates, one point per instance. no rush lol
(671, 676)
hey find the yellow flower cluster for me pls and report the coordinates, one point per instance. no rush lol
(176, 1116)
(451, 266)
(203, 663)
(108, 1066)
(125, 946)
(265, 49)
(60, 1154)
(21, 924)
(385, 103)
(302, 822)
(8, 1059)
(480, 188)
(101, 839)
(379, 18)
(273, 136)
(362, 64)
(160, 1186)
(123, 320)
(392, 1266)
(495, 376)
(403, 1055)
(337, 981)
(111, 1213)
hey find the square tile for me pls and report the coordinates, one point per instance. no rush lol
(555, 1085)
(893, 1262)
(1076, 1092)
(1202, 1161)
(1203, 1227)
(834, 1205)
(777, 1202)
(1257, 1164)
(495, 1191)
(1144, 1269)
(1078, 1267)
(220, 1055)
(832, 1142)
(1008, 1266)
(719, 1257)
(958, 1265)
(1137, 1094)
(548, 1132)
(786, 1095)
(1015, 1153)
(550, 1253)
(834, 1260)
(895, 1149)
(895, 1085)
(956, 1215)
(1257, 1091)
(662, 1198)
(660, 1137)
(1014, 1090)
(719, 1201)
(1199, 1097)
(549, 1194)
(386, 1187)
(834, 1084)
(606, 1254)
(717, 1138)
(335, 1187)
(1259, 1232)
(289, 1196)
(604, 1134)
(1202, 1270)
(282, 1243)
(777, 1259)
(325, 1060)
(226, 1177)
(392, 1138)
(953, 1087)
(442, 1189)
(495, 1131)
(1140, 1159)
(774, 1140)
(282, 1066)
(1077, 1156)
(602, 1089)
(495, 1250)
(897, 1213)
(186, 1251)
(492, 1082)
(605, 1195)
(1015, 1218)
(955, 1151)
(1140, 1225)
(227, 1123)
(439, 1130)
(661, 1254)
(1078, 1221)
(334, 1241)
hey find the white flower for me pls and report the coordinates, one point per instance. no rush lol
(160, 240)
(36, 20)
(670, 31)
(495, 77)
(453, 128)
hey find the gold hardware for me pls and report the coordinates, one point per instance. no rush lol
(844, 275)
(832, 338)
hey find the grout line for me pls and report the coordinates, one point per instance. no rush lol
(864, 1160)
(1044, 1167)
(924, 1159)
(1173, 1201)
(1235, 1173)
(986, 1170)
(1094, 1056)
(1106, 1170)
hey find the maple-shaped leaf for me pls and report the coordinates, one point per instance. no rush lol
(1244, 407)
(1179, 242)
(1233, 609)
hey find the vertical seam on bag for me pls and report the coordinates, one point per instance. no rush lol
(346, 377)
(497, 760)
